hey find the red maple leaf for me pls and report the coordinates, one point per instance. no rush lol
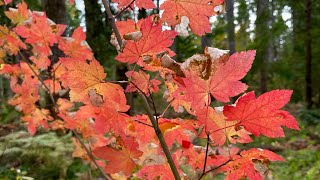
(40, 33)
(7, 1)
(223, 82)
(219, 129)
(71, 2)
(250, 164)
(128, 26)
(262, 115)
(198, 12)
(106, 119)
(121, 159)
(153, 40)
(177, 130)
(26, 94)
(146, 4)
(140, 81)
(82, 125)
(196, 157)
(158, 171)
(142, 129)
(76, 47)
(37, 118)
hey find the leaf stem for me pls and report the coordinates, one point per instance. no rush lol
(215, 168)
(34, 72)
(124, 9)
(143, 123)
(113, 22)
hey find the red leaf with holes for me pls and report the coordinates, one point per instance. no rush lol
(198, 12)
(262, 115)
(153, 40)
(222, 84)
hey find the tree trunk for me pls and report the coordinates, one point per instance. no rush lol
(56, 11)
(308, 51)
(230, 30)
(205, 41)
(97, 38)
(262, 40)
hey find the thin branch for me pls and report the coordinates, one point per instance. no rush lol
(90, 155)
(158, 6)
(154, 107)
(113, 22)
(215, 168)
(165, 110)
(206, 157)
(143, 123)
(35, 73)
(124, 9)
(161, 138)
(141, 91)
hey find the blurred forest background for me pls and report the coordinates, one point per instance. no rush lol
(285, 34)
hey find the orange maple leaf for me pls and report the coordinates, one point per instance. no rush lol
(197, 11)
(19, 15)
(158, 171)
(177, 130)
(82, 77)
(153, 40)
(76, 47)
(146, 4)
(120, 159)
(40, 34)
(244, 166)
(140, 81)
(128, 26)
(38, 117)
(219, 129)
(9, 41)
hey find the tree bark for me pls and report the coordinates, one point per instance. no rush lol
(206, 41)
(96, 29)
(308, 52)
(262, 40)
(56, 11)
(230, 25)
